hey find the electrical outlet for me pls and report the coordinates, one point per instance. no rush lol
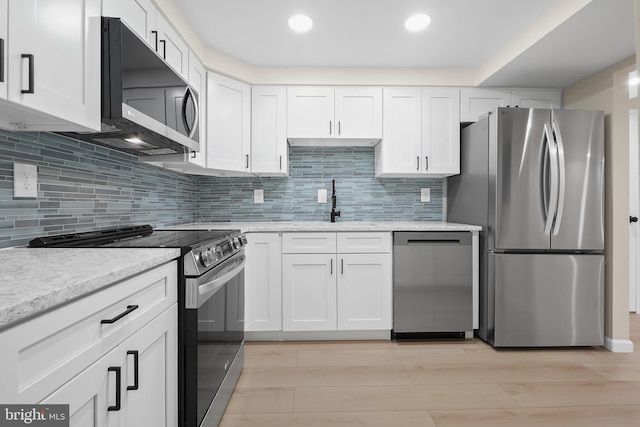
(25, 180)
(425, 195)
(258, 195)
(322, 195)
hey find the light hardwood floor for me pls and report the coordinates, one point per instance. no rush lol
(435, 383)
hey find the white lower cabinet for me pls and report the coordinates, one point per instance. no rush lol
(336, 281)
(309, 298)
(263, 282)
(112, 355)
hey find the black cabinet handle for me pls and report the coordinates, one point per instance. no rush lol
(164, 49)
(129, 309)
(633, 219)
(247, 161)
(1, 60)
(155, 33)
(30, 58)
(136, 376)
(426, 163)
(118, 372)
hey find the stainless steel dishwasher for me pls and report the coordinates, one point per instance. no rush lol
(432, 283)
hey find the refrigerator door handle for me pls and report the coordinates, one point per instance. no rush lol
(553, 162)
(561, 179)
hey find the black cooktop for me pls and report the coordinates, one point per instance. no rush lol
(143, 236)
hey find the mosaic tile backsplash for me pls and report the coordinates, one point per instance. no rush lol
(84, 187)
(360, 196)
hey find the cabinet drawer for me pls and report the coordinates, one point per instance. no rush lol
(309, 243)
(364, 242)
(51, 348)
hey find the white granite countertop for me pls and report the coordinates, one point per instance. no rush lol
(328, 226)
(36, 279)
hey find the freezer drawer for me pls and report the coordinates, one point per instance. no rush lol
(432, 282)
(548, 300)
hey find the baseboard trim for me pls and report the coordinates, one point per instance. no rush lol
(618, 346)
(317, 335)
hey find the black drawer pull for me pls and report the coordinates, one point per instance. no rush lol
(118, 372)
(129, 309)
(136, 375)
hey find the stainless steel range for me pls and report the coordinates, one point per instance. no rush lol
(211, 314)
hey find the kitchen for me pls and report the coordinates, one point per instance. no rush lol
(85, 187)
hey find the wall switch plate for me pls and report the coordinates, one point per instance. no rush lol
(425, 194)
(25, 180)
(322, 195)
(258, 195)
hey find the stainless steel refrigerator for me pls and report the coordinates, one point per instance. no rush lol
(534, 180)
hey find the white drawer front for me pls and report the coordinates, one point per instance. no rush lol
(309, 243)
(364, 242)
(50, 349)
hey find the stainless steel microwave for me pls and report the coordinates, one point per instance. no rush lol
(148, 108)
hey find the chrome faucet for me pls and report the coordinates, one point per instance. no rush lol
(334, 212)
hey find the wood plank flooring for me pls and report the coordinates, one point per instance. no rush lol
(455, 383)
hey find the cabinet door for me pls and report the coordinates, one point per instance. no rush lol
(440, 131)
(171, 47)
(358, 112)
(364, 291)
(400, 151)
(198, 80)
(536, 98)
(90, 393)
(269, 148)
(3, 49)
(139, 15)
(60, 74)
(263, 282)
(149, 360)
(475, 102)
(309, 292)
(228, 123)
(310, 112)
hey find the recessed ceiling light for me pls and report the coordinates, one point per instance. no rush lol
(417, 22)
(300, 23)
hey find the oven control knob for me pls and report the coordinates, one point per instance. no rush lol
(236, 243)
(205, 258)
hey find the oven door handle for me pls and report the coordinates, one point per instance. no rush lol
(209, 288)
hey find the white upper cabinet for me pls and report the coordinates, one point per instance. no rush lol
(334, 116)
(269, 148)
(143, 18)
(421, 133)
(440, 131)
(228, 124)
(476, 102)
(400, 150)
(139, 15)
(358, 112)
(533, 98)
(51, 72)
(310, 112)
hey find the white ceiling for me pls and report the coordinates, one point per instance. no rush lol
(464, 34)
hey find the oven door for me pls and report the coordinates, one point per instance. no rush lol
(213, 340)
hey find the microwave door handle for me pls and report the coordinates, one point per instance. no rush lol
(191, 130)
(561, 178)
(553, 197)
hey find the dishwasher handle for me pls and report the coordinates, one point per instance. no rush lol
(434, 242)
(432, 238)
